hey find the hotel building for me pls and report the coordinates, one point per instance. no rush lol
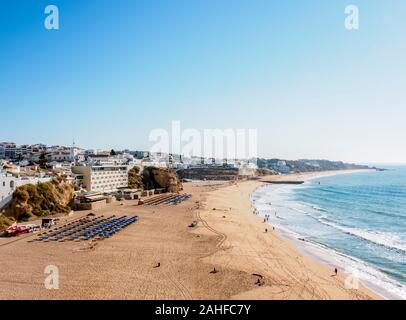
(102, 178)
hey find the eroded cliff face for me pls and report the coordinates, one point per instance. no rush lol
(43, 199)
(154, 178)
(134, 179)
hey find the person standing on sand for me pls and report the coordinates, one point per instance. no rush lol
(335, 271)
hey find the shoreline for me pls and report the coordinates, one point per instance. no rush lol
(329, 255)
(228, 237)
(275, 257)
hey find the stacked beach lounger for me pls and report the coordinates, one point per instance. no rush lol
(97, 228)
(168, 199)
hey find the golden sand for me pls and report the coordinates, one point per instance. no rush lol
(229, 238)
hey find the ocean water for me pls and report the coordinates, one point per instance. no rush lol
(354, 221)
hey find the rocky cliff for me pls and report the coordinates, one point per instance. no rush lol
(134, 179)
(43, 199)
(154, 178)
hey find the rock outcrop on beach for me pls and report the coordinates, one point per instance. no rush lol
(134, 179)
(155, 178)
(43, 199)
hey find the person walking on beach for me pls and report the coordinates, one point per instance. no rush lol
(335, 271)
(259, 282)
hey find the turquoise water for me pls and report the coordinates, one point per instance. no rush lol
(361, 217)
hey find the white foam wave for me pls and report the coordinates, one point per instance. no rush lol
(372, 277)
(387, 239)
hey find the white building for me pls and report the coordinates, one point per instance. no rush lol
(9, 183)
(247, 168)
(60, 156)
(10, 150)
(282, 167)
(65, 154)
(102, 178)
(151, 163)
(107, 159)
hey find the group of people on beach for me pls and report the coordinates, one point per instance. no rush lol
(266, 219)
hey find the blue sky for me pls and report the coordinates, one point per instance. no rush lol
(115, 70)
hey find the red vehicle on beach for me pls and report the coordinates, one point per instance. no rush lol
(14, 231)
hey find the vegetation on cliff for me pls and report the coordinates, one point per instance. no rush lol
(43, 199)
(5, 221)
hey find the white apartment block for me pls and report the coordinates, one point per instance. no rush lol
(60, 156)
(102, 178)
(10, 150)
(107, 159)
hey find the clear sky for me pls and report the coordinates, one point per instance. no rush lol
(115, 70)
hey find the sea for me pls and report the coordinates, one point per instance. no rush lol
(353, 221)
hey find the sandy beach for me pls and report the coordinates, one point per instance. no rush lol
(228, 237)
